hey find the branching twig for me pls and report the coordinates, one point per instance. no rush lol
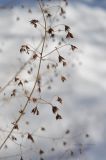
(26, 104)
(19, 71)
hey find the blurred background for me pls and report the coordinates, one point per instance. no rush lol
(80, 134)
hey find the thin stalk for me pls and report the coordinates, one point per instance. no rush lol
(19, 71)
(38, 72)
(55, 50)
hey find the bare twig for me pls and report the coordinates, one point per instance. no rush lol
(38, 72)
(19, 71)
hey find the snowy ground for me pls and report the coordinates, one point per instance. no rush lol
(84, 94)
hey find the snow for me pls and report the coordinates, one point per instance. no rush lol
(84, 93)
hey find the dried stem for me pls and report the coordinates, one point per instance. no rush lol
(55, 50)
(19, 71)
(38, 72)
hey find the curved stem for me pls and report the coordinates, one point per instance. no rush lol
(19, 71)
(38, 72)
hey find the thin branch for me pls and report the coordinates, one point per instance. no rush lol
(55, 50)
(19, 71)
(45, 101)
(26, 104)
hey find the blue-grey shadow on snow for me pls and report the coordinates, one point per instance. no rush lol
(91, 3)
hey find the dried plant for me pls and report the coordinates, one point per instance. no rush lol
(48, 60)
